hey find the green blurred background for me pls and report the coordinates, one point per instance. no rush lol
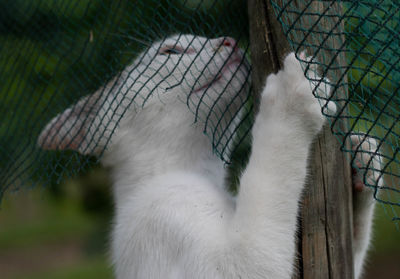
(60, 51)
(55, 52)
(57, 232)
(62, 233)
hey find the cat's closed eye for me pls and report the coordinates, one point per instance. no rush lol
(171, 50)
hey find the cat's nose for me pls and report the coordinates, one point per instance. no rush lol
(225, 42)
(229, 42)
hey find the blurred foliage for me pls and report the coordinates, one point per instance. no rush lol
(55, 52)
(42, 236)
(57, 238)
(379, 54)
(372, 29)
(369, 72)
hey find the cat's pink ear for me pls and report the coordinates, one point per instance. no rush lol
(71, 128)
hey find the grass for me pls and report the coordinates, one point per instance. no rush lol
(35, 219)
(46, 238)
(91, 268)
(42, 237)
(386, 238)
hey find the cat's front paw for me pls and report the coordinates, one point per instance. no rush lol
(367, 180)
(295, 98)
(367, 165)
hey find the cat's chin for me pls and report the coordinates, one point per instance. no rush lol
(208, 85)
(225, 74)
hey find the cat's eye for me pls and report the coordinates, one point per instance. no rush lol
(170, 51)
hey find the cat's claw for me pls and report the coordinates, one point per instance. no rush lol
(367, 163)
(366, 182)
(292, 92)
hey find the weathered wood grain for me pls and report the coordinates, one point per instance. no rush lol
(325, 246)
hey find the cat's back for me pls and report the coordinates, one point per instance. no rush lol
(164, 228)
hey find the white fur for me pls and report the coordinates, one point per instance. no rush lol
(363, 202)
(174, 218)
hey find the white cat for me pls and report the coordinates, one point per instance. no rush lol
(174, 218)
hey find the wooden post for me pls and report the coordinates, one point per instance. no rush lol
(325, 237)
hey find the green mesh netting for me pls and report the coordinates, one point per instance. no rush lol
(357, 46)
(55, 52)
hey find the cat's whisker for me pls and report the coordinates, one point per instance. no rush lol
(145, 43)
(157, 35)
(150, 34)
(129, 52)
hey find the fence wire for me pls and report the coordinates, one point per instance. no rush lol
(355, 44)
(53, 53)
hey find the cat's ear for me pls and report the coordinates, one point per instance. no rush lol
(71, 129)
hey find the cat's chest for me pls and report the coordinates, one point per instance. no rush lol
(177, 201)
(169, 222)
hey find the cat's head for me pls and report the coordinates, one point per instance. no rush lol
(205, 80)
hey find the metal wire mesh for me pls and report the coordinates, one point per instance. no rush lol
(356, 45)
(55, 52)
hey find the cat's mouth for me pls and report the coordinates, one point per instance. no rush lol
(229, 68)
(207, 85)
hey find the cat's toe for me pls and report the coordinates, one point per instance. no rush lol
(367, 164)
(292, 69)
(296, 98)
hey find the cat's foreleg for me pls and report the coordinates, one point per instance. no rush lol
(267, 204)
(363, 196)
